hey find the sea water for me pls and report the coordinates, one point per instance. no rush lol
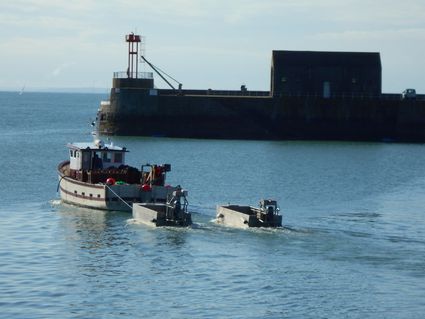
(352, 245)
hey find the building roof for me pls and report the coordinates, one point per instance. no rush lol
(326, 58)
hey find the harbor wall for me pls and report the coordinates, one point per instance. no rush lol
(163, 113)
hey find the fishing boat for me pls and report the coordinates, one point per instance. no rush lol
(267, 215)
(172, 213)
(96, 176)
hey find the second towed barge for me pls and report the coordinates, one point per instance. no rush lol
(267, 215)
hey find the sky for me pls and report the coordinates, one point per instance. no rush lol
(220, 44)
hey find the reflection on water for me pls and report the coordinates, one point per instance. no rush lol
(89, 227)
(97, 240)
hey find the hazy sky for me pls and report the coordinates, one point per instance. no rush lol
(204, 44)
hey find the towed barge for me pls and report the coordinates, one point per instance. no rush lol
(267, 215)
(172, 213)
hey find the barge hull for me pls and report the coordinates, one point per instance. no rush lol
(244, 217)
(155, 215)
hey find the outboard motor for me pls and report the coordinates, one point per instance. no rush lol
(268, 209)
(270, 213)
(177, 205)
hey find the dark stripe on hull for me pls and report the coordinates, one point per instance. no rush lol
(82, 196)
(113, 203)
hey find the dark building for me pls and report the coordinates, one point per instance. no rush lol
(326, 74)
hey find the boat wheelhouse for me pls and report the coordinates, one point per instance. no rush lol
(96, 176)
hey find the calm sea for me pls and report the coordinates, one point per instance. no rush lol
(353, 245)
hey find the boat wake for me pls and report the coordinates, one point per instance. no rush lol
(55, 202)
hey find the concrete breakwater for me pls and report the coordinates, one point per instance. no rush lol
(313, 95)
(258, 115)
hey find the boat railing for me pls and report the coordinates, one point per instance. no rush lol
(62, 165)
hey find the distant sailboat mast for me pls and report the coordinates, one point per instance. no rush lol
(22, 90)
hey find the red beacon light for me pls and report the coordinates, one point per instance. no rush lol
(132, 38)
(110, 181)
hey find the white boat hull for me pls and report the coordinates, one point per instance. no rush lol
(107, 197)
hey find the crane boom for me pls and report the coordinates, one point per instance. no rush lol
(159, 73)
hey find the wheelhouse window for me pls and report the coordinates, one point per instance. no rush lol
(118, 158)
(86, 159)
(74, 153)
(106, 157)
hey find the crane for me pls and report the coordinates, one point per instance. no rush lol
(160, 72)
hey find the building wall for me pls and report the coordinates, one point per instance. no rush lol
(325, 74)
